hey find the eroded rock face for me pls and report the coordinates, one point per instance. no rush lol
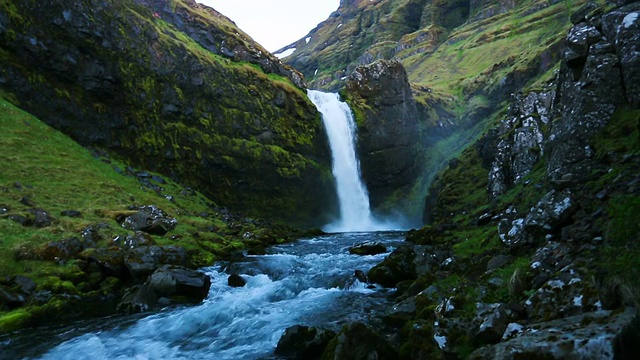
(599, 71)
(200, 109)
(586, 336)
(387, 119)
(522, 141)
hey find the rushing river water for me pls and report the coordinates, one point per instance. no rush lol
(309, 282)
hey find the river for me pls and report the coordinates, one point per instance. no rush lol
(309, 282)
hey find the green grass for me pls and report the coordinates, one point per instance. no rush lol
(621, 135)
(50, 169)
(56, 174)
(515, 40)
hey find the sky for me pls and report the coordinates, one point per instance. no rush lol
(275, 23)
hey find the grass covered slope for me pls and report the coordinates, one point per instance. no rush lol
(174, 87)
(45, 169)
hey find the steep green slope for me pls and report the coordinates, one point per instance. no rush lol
(172, 86)
(46, 172)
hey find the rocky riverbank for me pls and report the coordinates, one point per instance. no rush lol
(84, 234)
(530, 249)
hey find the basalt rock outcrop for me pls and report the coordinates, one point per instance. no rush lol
(174, 87)
(388, 132)
(536, 218)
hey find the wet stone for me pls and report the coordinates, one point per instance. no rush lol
(236, 280)
(368, 248)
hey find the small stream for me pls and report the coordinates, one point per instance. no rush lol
(309, 282)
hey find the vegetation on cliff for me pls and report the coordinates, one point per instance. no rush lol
(463, 58)
(174, 87)
(62, 203)
(183, 115)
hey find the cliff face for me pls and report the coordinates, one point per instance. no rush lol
(363, 31)
(175, 87)
(463, 60)
(388, 131)
(531, 229)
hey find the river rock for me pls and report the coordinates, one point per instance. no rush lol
(24, 284)
(361, 276)
(396, 267)
(15, 291)
(143, 261)
(10, 300)
(401, 312)
(172, 284)
(150, 219)
(594, 335)
(303, 342)
(368, 248)
(357, 341)
(236, 280)
(110, 260)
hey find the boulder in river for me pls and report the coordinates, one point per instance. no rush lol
(396, 267)
(174, 283)
(357, 341)
(303, 342)
(236, 280)
(368, 248)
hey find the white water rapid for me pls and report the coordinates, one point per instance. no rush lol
(309, 282)
(355, 213)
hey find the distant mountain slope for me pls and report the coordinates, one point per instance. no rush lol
(463, 59)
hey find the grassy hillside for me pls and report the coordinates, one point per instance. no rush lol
(173, 87)
(44, 169)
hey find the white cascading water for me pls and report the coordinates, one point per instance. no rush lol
(355, 214)
(309, 282)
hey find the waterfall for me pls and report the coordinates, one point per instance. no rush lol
(355, 214)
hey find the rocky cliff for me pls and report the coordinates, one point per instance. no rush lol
(463, 60)
(530, 248)
(388, 142)
(175, 87)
